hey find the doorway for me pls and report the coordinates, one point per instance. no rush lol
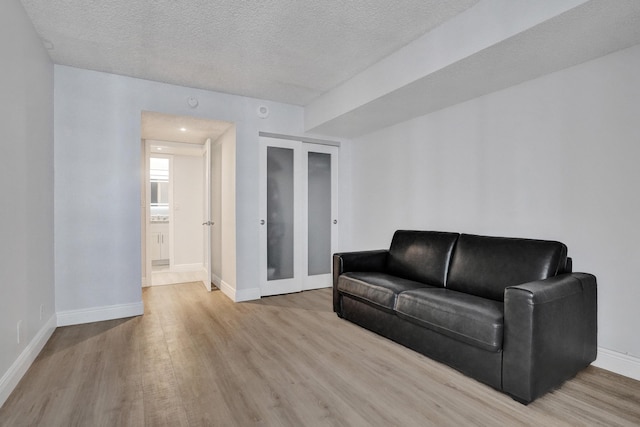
(178, 242)
(179, 223)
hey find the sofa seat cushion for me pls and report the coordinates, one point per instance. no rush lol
(474, 320)
(376, 288)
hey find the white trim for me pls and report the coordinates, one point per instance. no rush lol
(317, 282)
(228, 290)
(241, 295)
(216, 280)
(620, 363)
(185, 273)
(187, 268)
(247, 294)
(176, 147)
(99, 314)
(304, 139)
(16, 371)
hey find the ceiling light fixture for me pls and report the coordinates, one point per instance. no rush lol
(183, 129)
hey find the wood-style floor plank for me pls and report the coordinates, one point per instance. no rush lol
(197, 359)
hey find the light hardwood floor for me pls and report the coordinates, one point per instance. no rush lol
(197, 359)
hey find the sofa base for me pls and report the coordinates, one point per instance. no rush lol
(482, 365)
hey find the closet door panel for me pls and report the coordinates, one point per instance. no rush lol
(298, 215)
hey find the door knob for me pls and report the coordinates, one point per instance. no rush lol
(262, 222)
(335, 221)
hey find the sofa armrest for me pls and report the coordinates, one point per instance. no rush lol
(344, 262)
(550, 333)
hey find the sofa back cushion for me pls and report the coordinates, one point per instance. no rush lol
(485, 266)
(423, 256)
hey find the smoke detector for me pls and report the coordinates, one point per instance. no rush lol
(263, 111)
(192, 101)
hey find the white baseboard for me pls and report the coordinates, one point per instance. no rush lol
(227, 290)
(172, 277)
(239, 295)
(12, 377)
(187, 268)
(216, 280)
(248, 294)
(98, 314)
(620, 363)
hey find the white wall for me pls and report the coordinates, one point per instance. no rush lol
(26, 185)
(97, 152)
(556, 158)
(188, 187)
(229, 221)
(223, 207)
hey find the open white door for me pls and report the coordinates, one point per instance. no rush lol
(207, 223)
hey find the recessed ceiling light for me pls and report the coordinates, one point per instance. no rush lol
(159, 148)
(183, 129)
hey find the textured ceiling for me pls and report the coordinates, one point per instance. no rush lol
(289, 51)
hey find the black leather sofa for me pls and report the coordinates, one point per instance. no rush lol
(506, 311)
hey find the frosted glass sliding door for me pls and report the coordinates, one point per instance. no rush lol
(298, 219)
(280, 217)
(319, 213)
